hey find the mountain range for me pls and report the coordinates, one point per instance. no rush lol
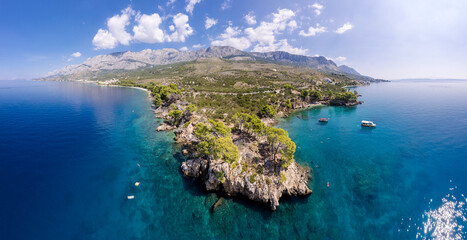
(149, 58)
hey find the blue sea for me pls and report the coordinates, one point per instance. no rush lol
(71, 153)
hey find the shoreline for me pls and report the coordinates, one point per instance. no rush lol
(256, 172)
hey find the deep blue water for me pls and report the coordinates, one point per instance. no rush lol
(70, 154)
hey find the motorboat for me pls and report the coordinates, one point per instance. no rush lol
(368, 123)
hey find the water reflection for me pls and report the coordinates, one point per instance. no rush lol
(445, 222)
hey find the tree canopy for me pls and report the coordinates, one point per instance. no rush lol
(280, 145)
(215, 141)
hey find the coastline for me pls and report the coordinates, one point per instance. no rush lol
(255, 173)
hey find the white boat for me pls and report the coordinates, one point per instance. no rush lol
(368, 123)
(131, 197)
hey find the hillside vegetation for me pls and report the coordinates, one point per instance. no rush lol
(222, 112)
(221, 87)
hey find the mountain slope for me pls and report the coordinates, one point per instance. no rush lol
(150, 58)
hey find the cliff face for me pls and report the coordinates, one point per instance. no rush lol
(252, 175)
(266, 188)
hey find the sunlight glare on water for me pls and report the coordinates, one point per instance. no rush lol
(446, 221)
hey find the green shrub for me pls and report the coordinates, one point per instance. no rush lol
(283, 178)
(267, 111)
(253, 178)
(175, 116)
(220, 176)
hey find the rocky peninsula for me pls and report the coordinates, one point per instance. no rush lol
(223, 103)
(242, 154)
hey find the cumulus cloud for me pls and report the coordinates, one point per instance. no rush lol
(181, 27)
(281, 45)
(317, 8)
(183, 49)
(250, 18)
(104, 40)
(197, 46)
(265, 33)
(191, 5)
(346, 27)
(76, 55)
(73, 56)
(210, 22)
(116, 33)
(313, 31)
(117, 25)
(292, 25)
(230, 38)
(263, 37)
(147, 29)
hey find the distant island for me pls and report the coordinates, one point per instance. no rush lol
(223, 103)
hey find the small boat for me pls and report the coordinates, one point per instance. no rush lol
(136, 184)
(368, 123)
(131, 197)
(327, 184)
(323, 120)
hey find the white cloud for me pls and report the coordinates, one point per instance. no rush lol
(210, 22)
(266, 31)
(104, 40)
(346, 27)
(229, 38)
(191, 5)
(116, 33)
(281, 45)
(264, 35)
(250, 19)
(182, 28)
(226, 4)
(76, 55)
(148, 30)
(313, 31)
(183, 49)
(317, 8)
(292, 25)
(197, 46)
(283, 15)
(117, 25)
(340, 59)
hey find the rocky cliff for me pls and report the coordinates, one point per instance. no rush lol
(254, 175)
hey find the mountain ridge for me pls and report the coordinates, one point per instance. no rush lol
(131, 60)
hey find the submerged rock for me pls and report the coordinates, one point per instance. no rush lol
(218, 203)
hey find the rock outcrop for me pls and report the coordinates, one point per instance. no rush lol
(252, 175)
(266, 188)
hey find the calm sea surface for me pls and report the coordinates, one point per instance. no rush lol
(70, 154)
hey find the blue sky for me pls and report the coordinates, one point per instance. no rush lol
(385, 39)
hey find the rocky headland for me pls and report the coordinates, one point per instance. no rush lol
(254, 167)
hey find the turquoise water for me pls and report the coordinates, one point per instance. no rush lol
(69, 156)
